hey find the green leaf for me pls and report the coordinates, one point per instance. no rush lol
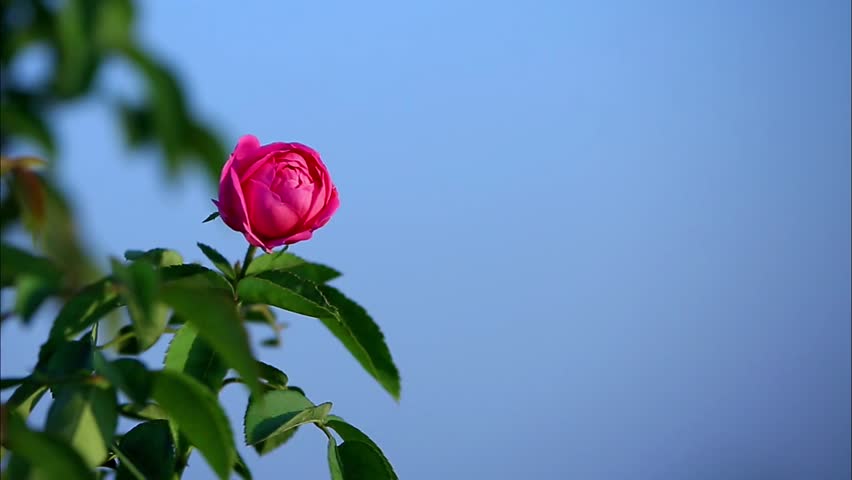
(197, 413)
(211, 217)
(334, 460)
(30, 292)
(77, 59)
(363, 462)
(12, 382)
(85, 308)
(276, 413)
(213, 313)
(193, 356)
(128, 375)
(25, 398)
(218, 260)
(274, 378)
(159, 257)
(114, 23)
(363, 338)
(85, 417)
(139, 286)
(62, 358)
(137, 122)
(197, 276)
(149, 411)
(242, 469)
(126, 342)
(285, 290)
(21, 119)
(48, 456)
(150, 448)
(314, 272)
(351, 434)
(17, 262)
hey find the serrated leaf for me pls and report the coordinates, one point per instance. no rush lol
(285, 290)
(139, 286)
(274, 377)
(211, 217)
(213, 313)
(49, 456)
(198, 415)
(191, 355)
(361, 461)
(351, 434)
(150, 448)
(85, 417)
(314, 272)
(128, 375)
(276, 413)
(354, 327)
(218, 260)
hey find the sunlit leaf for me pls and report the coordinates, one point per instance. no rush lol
(46, 454)
(197, 413)
(191, 355)
(314, 272)
(213, 314)
(85, 417)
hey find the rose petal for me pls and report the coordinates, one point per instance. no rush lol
(269, 217)
(245, 146)
(299, 237)
(232, 204)
(325, 215)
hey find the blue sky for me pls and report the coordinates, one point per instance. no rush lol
(604, 239)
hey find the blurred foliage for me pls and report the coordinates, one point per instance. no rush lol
(205, 311)
(80, 37)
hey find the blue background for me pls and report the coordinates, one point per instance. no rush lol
(604, 240)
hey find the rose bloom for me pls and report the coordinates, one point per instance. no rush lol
(275, 194)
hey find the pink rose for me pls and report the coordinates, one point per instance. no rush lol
(275, 194)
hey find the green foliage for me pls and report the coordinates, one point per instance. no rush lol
(192, 356)
(360, 461)
(196, 412)
(150, 449)
(85, 417)
(47, 455)
(218, 260)
(362, 337)
(179, 405)
(351, 434)
(271, 418)
(314, 272)
(152, 294)
(214, 315)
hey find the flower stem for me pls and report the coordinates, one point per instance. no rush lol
(249, 257)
